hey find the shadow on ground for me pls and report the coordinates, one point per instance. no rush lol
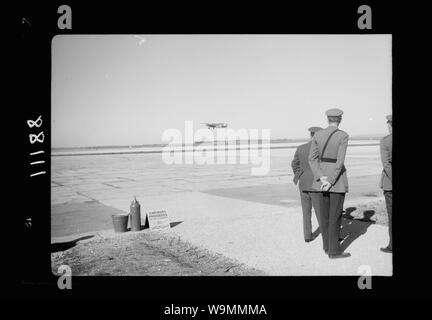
(316, 233)
(62, 246)
(174, 224)
(352, 229)
(146, 226)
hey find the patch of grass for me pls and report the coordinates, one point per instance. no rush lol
(146, 254)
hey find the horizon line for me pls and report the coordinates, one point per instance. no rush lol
(279, 140)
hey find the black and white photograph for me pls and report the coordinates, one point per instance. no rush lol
(218, 161)
(222, 154)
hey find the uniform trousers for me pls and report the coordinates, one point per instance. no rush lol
(331, 207)
(309, 199)
(388, 195)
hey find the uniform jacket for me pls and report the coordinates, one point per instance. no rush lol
(300, 166)
(336, 149)
(386, 159)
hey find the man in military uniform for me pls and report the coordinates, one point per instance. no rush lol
(386, 177)
(326, 159)
(304, 177)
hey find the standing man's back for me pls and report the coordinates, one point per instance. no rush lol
(326, 158)
(332, 163)
(386, 184)
(304, 177)
(302, 172)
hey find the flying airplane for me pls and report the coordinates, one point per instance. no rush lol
(142, 40)
(214, 125)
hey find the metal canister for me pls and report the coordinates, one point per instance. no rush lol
(135, 215)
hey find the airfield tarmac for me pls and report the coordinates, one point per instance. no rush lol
(255, 220)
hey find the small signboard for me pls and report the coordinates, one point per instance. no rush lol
(157, 220)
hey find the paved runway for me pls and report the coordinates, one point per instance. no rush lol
(254, 219)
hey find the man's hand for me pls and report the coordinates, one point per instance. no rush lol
(323, 179)
(326, 186)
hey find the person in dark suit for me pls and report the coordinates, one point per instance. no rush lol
(304, 177)
(326, 159)
(386, 177)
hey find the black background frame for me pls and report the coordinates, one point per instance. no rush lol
(408, 280)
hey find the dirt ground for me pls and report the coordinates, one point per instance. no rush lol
(149, 253)
(145, 253)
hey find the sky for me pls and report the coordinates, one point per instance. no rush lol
(128, 89)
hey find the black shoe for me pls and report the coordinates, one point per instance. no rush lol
(308, 240)
(339, 256)
(387, 250)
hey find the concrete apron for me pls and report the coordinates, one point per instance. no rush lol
(266, 237)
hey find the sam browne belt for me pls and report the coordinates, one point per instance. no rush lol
(322, 159)
(328, 160)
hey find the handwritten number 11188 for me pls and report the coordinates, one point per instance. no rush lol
(36, 138)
